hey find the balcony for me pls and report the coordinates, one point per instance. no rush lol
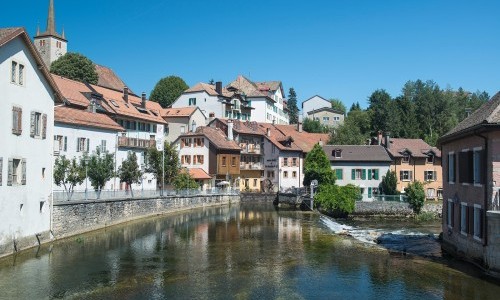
(251, 166)
(250, 148)
(136, 142)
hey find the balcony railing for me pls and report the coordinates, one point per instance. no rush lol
(136, 142)
(251, 166)
(250, 148)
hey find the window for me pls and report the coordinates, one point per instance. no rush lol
(451, 167)
(430, 175)
(440, 193)
(61, 142)
(337, 153)
(326, 119)
(294, 162)
(336, 118)
(430, 159)
(17, 120)
(285, 174)
(103, 146)
(358, 174)
(478, 217)
(198, 142)
(449, 213)
(183, 129)
(199, 159)
(223, 161)
(21, 75)
(405, 175)
(431, 193)
(270, 174)
(255, 182)
(339, 174)
(463, 218)
(294, 174)
(38, 125)
(233, 161)
(466, 166)
(82, 145)
(285, 161)
(406, 158)
(193, 126)
(192, 101)
(373, 174)
(17, 172)
(375, 191)
(186, 159)
(13, 72)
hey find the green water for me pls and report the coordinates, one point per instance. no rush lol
(247, 251)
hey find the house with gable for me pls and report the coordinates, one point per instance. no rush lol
(415, 160)
(181, 120)
(363, 166)
(27, 110)
(471, 187)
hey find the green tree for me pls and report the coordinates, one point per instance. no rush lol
(75, 66)
(337, 104)
(355, 107)
(167, 90)
(100, 169)
(292, 106)
(129, 171)
(389, 183)
(416, 196)
(380, 111)
(314, 126)
(338, 201)
(347, 134)
(317, 166)
(184, 181)
(68, 173)
(172, 164)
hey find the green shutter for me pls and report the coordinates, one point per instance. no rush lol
(363, 174)
(353, 173)
(369, 192)
(339, 174)
(376, 174)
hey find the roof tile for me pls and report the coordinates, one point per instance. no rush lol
(68, 115)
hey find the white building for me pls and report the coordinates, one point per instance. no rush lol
(194, 152)
(363, 166)
(181, 120)
(314, 103)
(27, 112)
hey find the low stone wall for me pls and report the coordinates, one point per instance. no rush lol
(394, 208)
(24, 243)
(258, 197)
(72, 217)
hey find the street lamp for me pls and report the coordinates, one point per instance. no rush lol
(87, 160)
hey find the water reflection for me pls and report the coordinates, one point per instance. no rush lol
(247, 252)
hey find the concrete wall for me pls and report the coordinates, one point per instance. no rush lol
(391, 208)
(70, 218)
(207, 104)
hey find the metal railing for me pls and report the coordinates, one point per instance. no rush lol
(251, 166)
(60, 196)
(135, 142)
(393, 198)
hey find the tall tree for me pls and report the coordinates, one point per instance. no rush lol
(167, 90)
(355, 107)
(337, 104)
(68, 173)
(172, 164)
(317, 166)
(347, 134)
(380, 106)
(75, 66)
(129, 171)
(293, 110)
(100, 169)
(389, 183)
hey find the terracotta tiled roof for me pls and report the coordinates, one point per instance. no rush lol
(73, 91)
(303, 140)
(209, 89)
(216, 136)
(329, 109)
(487, 114)
(242, 127)
(152, 113)
(277, 137)
(366, 153)
(73, 116)
(178, 112)
(8, 34)
(198, 173)
(109, 79)
(417, 147)
(249, 88)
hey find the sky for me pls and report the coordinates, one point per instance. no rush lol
(336, 49)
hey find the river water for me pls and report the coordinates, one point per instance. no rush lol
(245, 251)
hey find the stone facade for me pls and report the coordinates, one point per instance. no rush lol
(391, 208)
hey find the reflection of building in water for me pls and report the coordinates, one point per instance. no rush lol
(289, 230)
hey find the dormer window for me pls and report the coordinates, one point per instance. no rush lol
(337, 153)
(406, 158)
(430, 158)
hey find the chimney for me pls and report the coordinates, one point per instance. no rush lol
(468, 111)
(229, 130)
(299, 126)
(268, 133)
(211, 117)
(379, 137)
(388, 140)
(218, 87)
(125, 94)
(92, 107)
(143, 102)
(320, 142)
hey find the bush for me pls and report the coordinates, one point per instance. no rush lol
(389, 183)
(338, 201)
(416, 196)
(317, 166)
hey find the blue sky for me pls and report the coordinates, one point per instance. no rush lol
(344, 49)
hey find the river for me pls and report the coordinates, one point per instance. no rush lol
(244, 251)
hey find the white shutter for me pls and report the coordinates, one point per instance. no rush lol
(10, 171)
(23, 163)
(32, 124)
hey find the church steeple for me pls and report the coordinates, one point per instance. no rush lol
(50, 44)
(51, 20)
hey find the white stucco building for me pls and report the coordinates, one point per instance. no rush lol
(363, 166)
(181, 120)
(27, 114)
(314, 103)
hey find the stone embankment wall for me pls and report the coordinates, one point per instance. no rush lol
(492, 252)
(258, 197)
(75, 217)
(390, 208)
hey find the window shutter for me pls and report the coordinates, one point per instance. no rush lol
(23, 163)
(353, 174)
(435, 176)
(10, 172)
(19, 120)
(470, 166)
(369, 174)
(363, 174)
(452, 212)
(77, 144)
(1, 170)
(376, 174)
(44, 126)
(88, 145)
(14, 120)
(411, 175)
(65, 143)
(462, 166)
(32, 124)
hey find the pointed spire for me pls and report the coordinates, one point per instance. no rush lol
(63, 34)
(38, 29)
(51, 19)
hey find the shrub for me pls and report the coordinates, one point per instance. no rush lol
(338, 201)
(389, 183)
(416, 196)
